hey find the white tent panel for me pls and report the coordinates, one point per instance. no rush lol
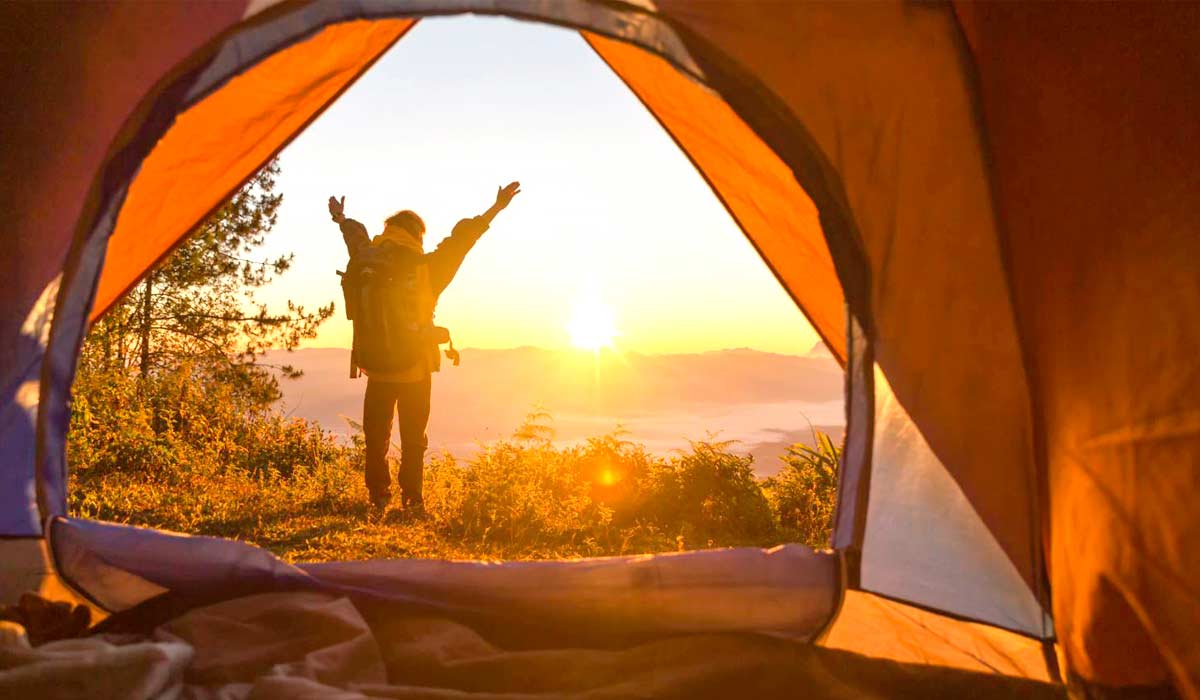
(924, 543)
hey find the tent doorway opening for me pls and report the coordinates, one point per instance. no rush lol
(707, 413)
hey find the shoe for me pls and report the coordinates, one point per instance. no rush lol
(414, 507)
(380, 501)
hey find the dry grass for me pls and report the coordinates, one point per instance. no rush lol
(284, 484)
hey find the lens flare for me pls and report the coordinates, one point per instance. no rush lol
(592, 325)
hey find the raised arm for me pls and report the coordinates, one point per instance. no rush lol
(353, 233)
(445, 261)
(504, 196)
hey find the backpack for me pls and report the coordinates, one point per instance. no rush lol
(380, 290)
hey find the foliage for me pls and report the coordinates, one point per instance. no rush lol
(804, 493)
(173, 426)
(169, 396)
(166, 426)
(198, 312)
(286, 485)
(710, 495)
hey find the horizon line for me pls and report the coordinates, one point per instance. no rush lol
(818, 347)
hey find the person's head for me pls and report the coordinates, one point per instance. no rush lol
(409, 221)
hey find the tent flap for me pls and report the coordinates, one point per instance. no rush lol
(923, 541)
(908, 155)
(69, 74)
(222, 141)
(759, 190)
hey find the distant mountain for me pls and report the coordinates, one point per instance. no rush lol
(819, 350)
(766, 401)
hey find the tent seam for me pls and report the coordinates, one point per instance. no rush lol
(1040, 530)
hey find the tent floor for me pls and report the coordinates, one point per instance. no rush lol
(27, 568)
(277, 645)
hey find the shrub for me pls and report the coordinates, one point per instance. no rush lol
(165, 455)
(520, 494)
(804, 493)
(708, 496)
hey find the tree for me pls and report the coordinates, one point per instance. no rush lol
(197, 312)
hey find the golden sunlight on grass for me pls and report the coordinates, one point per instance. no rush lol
(592, 325)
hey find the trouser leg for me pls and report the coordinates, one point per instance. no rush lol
(413, 418)
(378, 407)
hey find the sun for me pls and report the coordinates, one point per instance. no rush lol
(592, 325)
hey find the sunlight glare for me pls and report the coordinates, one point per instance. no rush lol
(592, 325)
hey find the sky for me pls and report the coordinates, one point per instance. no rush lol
(612, 224)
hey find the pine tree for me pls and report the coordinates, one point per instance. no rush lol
(197, 312)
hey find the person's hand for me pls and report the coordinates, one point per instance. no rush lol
(505, 194)
(337, 208)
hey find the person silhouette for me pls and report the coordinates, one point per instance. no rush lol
(397, 284)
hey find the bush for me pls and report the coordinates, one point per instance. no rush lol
(709, 497)
(525, 496)
(166, 455)
(804, 493)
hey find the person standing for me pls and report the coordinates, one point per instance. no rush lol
(392, 287)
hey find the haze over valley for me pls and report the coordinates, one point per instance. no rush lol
(765, 401)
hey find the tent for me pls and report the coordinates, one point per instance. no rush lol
(989, 212)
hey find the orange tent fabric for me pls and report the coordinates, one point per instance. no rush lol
(77, 101)
(76, 82)
(882, 89)
(213, 146)
(868, 624)
(757, 188)
(1092, 119)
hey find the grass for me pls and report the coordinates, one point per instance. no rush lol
(286, 485)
